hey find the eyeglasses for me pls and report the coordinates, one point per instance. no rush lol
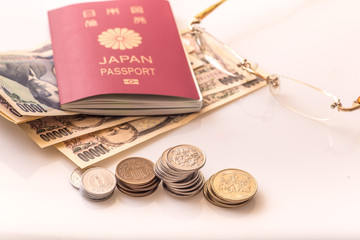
(298, 96)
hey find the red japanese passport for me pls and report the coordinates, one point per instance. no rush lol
(121, 58)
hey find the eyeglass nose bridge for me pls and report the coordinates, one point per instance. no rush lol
(270, 79)
(273, 80)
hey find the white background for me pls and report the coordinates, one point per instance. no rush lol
(308, 172)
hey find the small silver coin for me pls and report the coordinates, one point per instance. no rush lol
(75, 177)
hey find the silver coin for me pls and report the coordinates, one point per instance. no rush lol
(75, 177)
(189, 190)
(168, 174)
(165, 175)
(178, 168)
(185, 158)
(188, 184)
(189, 180)
(172, 193)
(164, 166)
(181, 195)
(97, 183)
(158, 171)
(96, 200)
(194, 188)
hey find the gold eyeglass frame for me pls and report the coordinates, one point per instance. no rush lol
(273, 80)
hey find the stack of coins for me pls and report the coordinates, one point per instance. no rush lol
(135, 177)
(178, 167)
(97, 184)
(230, 188)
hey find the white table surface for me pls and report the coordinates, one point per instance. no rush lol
(308, 172)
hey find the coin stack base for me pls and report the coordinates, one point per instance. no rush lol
(179, 169)
(230, 188)
(97, 184)
(135, 177)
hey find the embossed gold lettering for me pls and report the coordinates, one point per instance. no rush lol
(127, 71)
(126, 59)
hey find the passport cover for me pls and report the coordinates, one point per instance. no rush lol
(126, 47)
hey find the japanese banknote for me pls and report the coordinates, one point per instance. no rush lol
(29, 97)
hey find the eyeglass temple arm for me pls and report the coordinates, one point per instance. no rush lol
(340, 108)
(200, 16)
(245, 65)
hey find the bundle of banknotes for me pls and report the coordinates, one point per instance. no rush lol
(29, 97)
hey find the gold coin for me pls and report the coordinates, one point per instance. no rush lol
(212, 200)
(233, 185)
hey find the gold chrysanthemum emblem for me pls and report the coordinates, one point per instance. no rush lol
(119, 38)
